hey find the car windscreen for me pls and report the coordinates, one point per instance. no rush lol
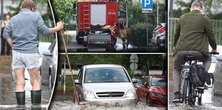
(105, 75)
(158, 82)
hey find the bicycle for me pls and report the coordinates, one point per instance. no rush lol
(191, 91)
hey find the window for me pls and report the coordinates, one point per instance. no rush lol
(105, 75)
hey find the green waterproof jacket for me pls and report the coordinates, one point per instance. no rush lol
(194, 33)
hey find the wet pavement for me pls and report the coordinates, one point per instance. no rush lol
(66, 103)
(209, 101)
(7, 93)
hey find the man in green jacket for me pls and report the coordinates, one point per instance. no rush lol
(193, 36)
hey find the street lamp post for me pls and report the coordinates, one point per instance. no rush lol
(157, 13)
(1, 20)
(127, 18)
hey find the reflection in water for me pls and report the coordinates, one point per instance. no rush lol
(6, 89)
(66, 103)
(7, 93)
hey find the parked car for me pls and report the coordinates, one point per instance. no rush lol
(49, 64)
(159, 36)
(105, 83)
(216, 68)
(137, 82)
(153, 91)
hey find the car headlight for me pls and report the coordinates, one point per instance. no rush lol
(162, 37)
(130, 93)
(158, 95)
(89, 94)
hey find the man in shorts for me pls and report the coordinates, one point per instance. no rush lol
(22, 35)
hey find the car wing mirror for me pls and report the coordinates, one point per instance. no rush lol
(134, 81)
(47, 53)
(219, 58)
(77, 81)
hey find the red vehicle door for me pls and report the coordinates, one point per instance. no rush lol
(112, 13)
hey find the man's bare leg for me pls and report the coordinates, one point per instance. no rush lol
(36, 86)
(35, 78)
(20, 84)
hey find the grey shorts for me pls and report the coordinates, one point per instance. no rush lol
(25, 60)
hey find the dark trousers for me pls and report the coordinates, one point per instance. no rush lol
(125, 43)
(5, 48)
(179, 60)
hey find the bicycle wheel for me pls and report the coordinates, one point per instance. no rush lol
(192, 95)
(185, 91)
(199, 99)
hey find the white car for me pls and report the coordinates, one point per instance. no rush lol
(216, 68)
(105, 84)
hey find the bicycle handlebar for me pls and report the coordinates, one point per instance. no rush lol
(214, 53)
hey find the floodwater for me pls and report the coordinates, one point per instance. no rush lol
(66, 103)
(7, 93)
(209, 102)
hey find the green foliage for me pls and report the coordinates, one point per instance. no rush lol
(64, 8)
(145, 61)
(137, 34)
(100, 59)
(208, 5)
(15, 10)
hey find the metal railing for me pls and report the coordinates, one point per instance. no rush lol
(217, 29)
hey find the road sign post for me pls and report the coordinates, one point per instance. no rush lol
(134, 62)
(147, 6)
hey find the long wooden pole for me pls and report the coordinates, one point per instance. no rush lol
(75, 92)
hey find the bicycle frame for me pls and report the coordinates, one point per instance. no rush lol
(188, 90)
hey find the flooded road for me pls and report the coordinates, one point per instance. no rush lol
(7, 93)
(66, 103)
(209, 101)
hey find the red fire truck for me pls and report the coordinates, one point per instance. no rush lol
(96, 23)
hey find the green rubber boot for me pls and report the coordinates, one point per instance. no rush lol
(36, 97)
(20, 97)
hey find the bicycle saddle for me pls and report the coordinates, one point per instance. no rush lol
(192, 57)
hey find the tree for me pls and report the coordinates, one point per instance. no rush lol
(145, 63)
(142, 24)
(15, 10)
(64, 8)
(208, 5)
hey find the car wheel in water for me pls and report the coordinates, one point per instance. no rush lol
(200, 99)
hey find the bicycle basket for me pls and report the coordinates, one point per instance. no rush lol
(199, 75)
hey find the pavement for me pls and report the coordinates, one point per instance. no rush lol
(7, 93)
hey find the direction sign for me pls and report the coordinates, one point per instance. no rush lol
(133, 66)
(147, 6)
(134, 58)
